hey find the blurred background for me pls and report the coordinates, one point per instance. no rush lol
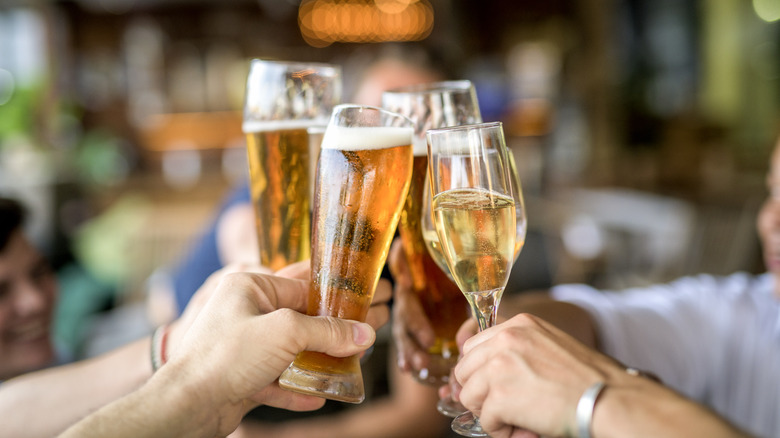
(641, 128)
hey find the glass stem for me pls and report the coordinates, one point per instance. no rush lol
(484, 306)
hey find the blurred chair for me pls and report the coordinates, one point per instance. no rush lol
(616, 238)
(725, 239)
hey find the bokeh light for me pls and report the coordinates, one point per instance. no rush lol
(767, 10)
(7, 86)
(323, 22)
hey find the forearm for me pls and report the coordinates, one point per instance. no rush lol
(44, 403)
(158, 409)
(644, 409)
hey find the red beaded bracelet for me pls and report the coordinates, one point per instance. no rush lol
(159, 340)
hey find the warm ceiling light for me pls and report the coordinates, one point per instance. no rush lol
(323, 22)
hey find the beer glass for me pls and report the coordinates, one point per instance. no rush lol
(363, 177)
(285, 101)
(475, 219)
(432, 105)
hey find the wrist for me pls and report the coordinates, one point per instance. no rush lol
(585, 408)
(179, 402)
(624, 391)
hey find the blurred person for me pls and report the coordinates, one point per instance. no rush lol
(44, 402)
(390, 66)
(28, 292)
(527, 375)
(227, 363)
(716, 340)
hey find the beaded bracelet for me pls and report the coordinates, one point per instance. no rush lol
(159, 339)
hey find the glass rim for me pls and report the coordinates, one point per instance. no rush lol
(296, 64)
(433, 87)
(371, 107)
(473, 126)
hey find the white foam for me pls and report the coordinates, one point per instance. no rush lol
(362, 138)
(251, 126)
(420, 145)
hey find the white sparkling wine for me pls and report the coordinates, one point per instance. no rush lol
(477, 231)
(434, 249)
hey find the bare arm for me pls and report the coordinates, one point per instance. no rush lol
(526, 373)
(213, 379)
(43, 403)
(641, 407)
(157, 409)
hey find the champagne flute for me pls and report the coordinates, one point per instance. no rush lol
(448, 406)
(432, 105)
(475, 219)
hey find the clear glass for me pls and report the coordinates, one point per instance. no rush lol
(285, 102)
(432, 105)
(475, 217)
(363, 175)
(448, 406)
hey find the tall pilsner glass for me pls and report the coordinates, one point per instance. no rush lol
(285, 102)
(432, 105)
(363, 176)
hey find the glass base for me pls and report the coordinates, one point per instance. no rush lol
(334, 386)
(467, 424)
(449, 407)
(438, 371)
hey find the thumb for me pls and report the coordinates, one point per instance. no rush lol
(334, 336)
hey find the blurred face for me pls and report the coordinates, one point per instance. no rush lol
(27, 295)
(769, 220)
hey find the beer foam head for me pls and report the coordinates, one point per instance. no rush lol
(362, 138)
(250, 126)
(420, 145)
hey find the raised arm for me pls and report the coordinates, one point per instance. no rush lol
(228, 362)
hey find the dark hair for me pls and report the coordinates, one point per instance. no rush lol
(12, 216)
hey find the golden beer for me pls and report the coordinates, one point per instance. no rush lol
(279, 184)
(363, 177)
(441, 300)
(432, 105)
(284, 103)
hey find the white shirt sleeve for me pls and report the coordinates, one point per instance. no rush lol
(666, 329)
